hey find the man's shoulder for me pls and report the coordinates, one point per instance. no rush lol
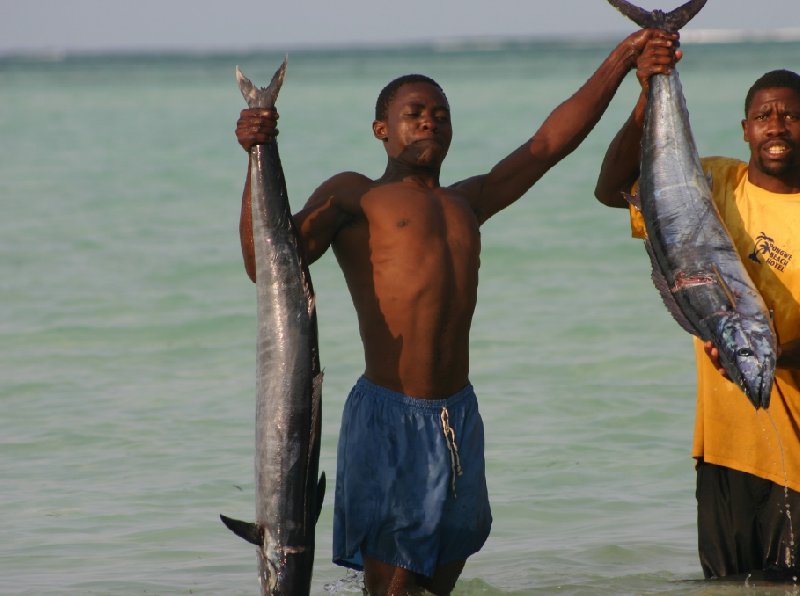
(345, 189)
(724, 168)
(347, 179)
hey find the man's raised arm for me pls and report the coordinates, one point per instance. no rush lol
(563, 130)
(620, 168)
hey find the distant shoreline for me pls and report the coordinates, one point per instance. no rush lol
(695, 36)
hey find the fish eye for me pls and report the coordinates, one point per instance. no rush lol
(744, 352)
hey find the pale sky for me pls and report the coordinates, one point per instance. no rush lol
(96, 25)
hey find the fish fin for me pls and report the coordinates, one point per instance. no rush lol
(320, 495)
(725, 288)
(678, 18)
(253, 533)
(633, 200)
(672, 21)
(246, 87)
(262, 97)
(640, 16)
(662, 285)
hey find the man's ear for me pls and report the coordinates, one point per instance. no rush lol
(744, 131)
(379, 130)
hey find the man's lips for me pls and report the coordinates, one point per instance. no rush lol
(426, 140)
(777, 148)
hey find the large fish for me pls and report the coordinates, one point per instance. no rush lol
(288, 378)
(695, 264)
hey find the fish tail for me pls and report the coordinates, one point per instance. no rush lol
(262, 97)
(657, 19)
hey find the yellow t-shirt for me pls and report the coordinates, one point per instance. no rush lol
(765, 228)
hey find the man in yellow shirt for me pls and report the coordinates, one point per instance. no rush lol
(748, 460)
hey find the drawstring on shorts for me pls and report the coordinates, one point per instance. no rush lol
(450, 439)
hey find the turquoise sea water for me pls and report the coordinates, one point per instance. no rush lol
(127, 323)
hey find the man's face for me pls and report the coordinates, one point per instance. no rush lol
(772, 129)
(417, 129)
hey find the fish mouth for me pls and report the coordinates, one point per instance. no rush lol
(754, 391)
(760, 394)
(759, 387)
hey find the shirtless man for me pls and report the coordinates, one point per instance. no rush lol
(411, 502)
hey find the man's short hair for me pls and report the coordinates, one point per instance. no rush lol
(387, 94)
(771, 80)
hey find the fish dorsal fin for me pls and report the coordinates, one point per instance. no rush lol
(672, 21)
(662, 285)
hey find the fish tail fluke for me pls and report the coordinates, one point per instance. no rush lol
(678, 18)
(672, 21)
(245, 86)
(262, 97)
(253, 533)
(644, 18)
(276, 82)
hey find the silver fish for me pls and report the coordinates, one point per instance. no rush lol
(695, 264)
(288, 378)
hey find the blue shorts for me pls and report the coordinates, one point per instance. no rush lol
(410, 480)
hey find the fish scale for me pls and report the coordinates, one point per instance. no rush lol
(696, 267)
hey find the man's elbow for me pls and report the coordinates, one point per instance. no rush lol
(610, 197)
(251, 272)
(603, 196)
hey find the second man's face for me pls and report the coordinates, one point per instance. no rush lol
(772, 130)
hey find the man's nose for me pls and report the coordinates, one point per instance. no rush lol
(427, 122)
(776, 124)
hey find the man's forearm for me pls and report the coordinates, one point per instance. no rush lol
(620, 167)
(569, 124)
